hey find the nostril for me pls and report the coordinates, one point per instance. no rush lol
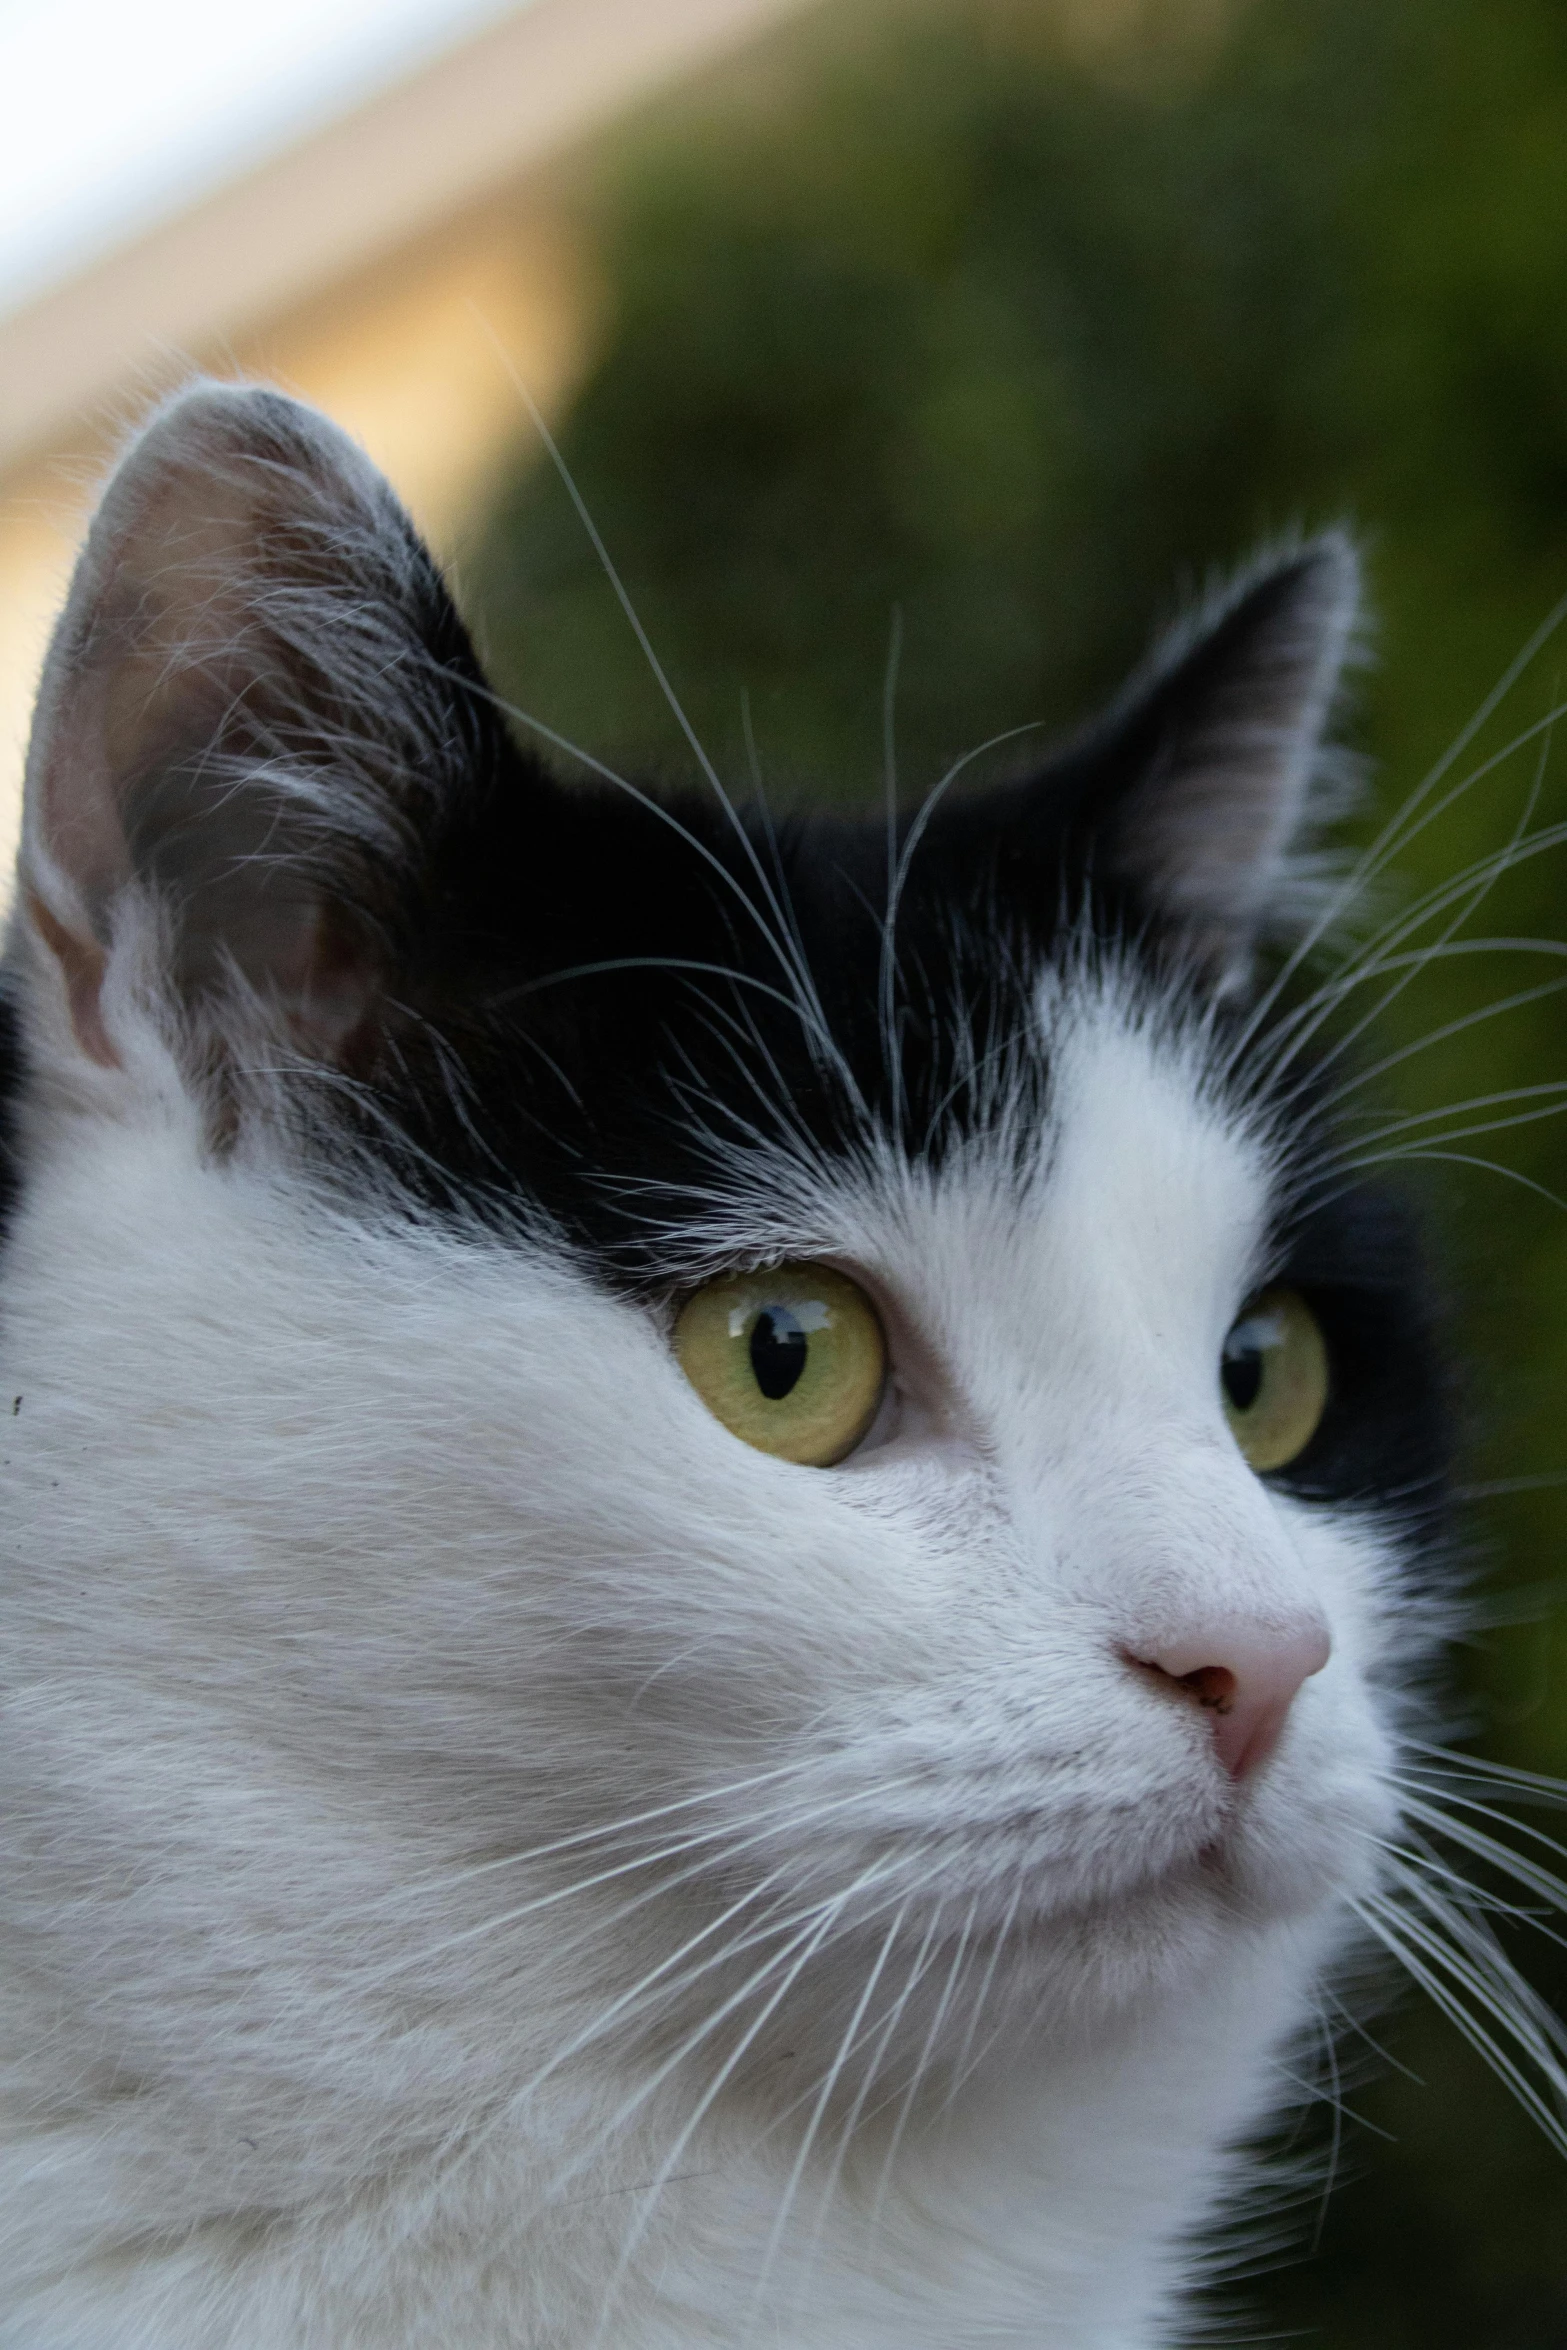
(1213, 1686)
(1248, 1699)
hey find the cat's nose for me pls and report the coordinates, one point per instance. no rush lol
(1245, 1675)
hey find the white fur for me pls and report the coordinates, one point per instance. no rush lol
(349, 1562)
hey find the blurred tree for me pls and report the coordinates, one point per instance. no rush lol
(1014, 319)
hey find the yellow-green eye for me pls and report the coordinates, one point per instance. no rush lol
(792, 1361)
(1274, 1378)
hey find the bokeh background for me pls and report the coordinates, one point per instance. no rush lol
(1004, 325)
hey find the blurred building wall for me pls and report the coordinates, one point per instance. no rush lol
(403, 267)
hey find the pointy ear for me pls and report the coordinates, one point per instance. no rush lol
(257, 693)
(1197, 791)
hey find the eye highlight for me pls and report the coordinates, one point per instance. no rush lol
(792, 1361)
(1273, 1378)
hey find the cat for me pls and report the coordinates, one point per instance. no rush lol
(722, 1542)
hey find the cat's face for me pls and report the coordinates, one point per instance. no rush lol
(388, 1104)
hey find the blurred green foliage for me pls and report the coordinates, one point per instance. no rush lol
(1016, 319)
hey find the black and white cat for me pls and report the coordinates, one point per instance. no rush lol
(711, 1537)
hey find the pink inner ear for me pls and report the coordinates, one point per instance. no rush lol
(325, 981)
(242, 597)
(83, 963)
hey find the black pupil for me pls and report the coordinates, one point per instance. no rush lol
(1241, 1370)
(778, 1351)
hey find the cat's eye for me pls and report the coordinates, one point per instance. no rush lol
(1273, 1376)
(792, 1360)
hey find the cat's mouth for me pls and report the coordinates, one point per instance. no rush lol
(1256, 1852)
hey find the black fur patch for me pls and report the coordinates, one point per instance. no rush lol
(597, 992)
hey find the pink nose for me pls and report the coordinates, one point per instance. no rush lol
(1245, 1676)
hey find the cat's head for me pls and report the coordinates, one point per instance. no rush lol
(649, 1400)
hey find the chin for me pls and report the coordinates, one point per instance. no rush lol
(1277, 1870)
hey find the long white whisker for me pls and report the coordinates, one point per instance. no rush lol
(726, 971)
(1336, 2131)
(683, 1982)
(805, 1002)
(918, 1968)
(1464, 1917)
(785, 898)
(1396, 834)
(1505, 860)
(922, 2065)
(824, 2097)
(1517, 1865)
(1464, 1970)
(780, 939)
(722, 1834)
(811, 1937)
(898, 877)
(1539, 1785)
(677, 1984)
(602, 1833)
(965, 2060)
(815, 1935)
(888, 964)
(1549, 1089)
(1414, 1156)
(1449, 1029)
(1418, 1144)
(1465, 889)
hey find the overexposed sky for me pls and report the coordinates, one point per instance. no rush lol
(116, 113)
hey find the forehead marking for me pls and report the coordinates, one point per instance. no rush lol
(1153, 1190)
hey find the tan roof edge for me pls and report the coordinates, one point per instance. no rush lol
(514, 96)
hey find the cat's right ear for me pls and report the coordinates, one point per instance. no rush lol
(1196, 798)
(256, 699)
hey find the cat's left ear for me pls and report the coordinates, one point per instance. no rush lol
(257, 706)
(1195, 794)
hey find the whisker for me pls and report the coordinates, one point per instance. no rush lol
(922, 2065)
(1353, 2023)
(811, 1937)
(637, 1994)
(966, 2062)
(616, 1827)
(1551, 1088)
(736, 978)
(831, 1912)
(804, 1001)
(889, 2022)
(899, 873)
(824, 2097)
(620, 1826)
(1489, 873)
(769, 831)
(1538, 1784)
(801, 971)
(1415, 1157)
(1396, 834)
(1518, 1865)
(1492, 1488)
(1443, 1940)
(1289, 1036)
(887, 972)
(1336, 2129)
(1380, 1158)
(1438, 1876)
(1425, 1967)
(722, 1834)
(1449, 1029)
